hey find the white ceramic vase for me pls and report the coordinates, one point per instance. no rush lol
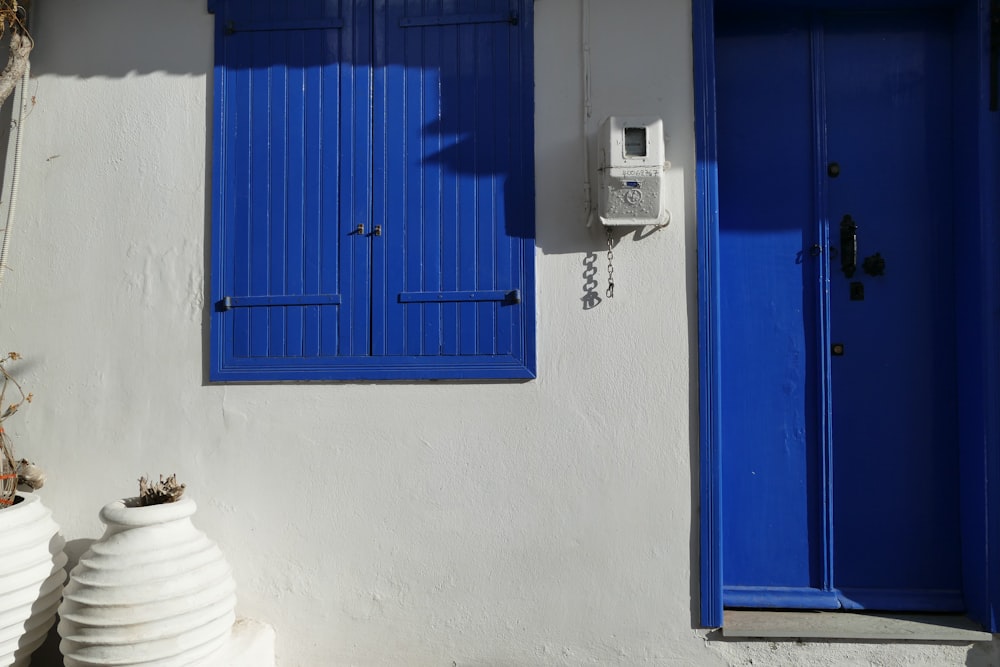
(32, 573)
(153, 591)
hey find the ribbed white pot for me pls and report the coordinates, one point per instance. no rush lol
(32, 573)
(153, 591)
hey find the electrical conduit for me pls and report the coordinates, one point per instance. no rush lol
(15, 175)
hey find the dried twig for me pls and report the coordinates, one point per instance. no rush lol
(21, 44)
(12, 471)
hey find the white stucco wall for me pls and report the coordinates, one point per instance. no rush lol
(552, 522)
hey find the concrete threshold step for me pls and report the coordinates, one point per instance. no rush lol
(851, 625)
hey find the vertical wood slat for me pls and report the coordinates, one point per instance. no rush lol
(385, 169)
(276, 133)
(463, 104)
(337, 192)
(515, 207)
(356, 133)
(491, 85)
(238, 190)
(312, 191)
(488, 125)
(260, 193)
(294, 190)
(501, 76)
(441, 234)
(424, 173)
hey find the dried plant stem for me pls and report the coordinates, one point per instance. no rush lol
(12, 471)
(21, 44)
(165, 491)
(20, 47)
(8, 472)
(10, 468)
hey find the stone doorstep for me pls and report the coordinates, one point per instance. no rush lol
(850, 625)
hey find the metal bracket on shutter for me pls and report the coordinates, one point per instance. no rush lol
(230, 302)
(507, 297)
(457, 19)
(291, 24)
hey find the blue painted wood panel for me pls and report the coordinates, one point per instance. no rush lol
(977, 199)
(839, 471)
(709, 419)
(769, 306)
(284, 193)
(449, 138)
(366, 151)
(974, 162)
(894, 390)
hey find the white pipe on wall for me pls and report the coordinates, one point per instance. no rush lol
(587, 105)
(15, 173)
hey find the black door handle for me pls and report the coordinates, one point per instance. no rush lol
(848, 246)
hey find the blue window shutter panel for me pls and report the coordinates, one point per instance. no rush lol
(442, 169)
(278, 156)
(368, 155)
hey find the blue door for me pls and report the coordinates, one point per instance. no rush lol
(839, 434)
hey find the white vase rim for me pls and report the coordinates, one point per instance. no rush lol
(26, 499)
(128, 512)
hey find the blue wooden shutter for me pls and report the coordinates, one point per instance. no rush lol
(337, 119)
(283, 193)
(452, 149)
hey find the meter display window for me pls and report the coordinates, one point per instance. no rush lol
(635, 142)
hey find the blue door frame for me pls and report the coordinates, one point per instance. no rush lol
(977, 302)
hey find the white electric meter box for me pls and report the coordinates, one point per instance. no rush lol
(633, 186)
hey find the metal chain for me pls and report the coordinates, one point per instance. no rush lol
(611, 267)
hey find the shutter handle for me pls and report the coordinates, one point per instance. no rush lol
(378, 230)
(360, 229)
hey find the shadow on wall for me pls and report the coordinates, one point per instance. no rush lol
(983, 654)
(117, 38)
(122, 38)
(48, 653)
